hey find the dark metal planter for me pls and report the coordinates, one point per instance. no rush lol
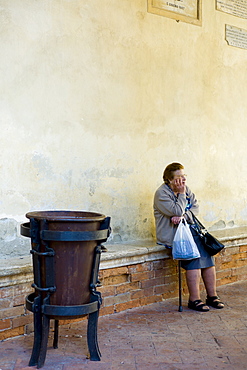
(66, 249)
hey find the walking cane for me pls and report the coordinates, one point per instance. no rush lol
(180, 308)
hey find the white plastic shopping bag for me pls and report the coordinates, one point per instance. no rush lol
(184, 246)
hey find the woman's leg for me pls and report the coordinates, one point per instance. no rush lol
(209, 279)
(193, 282)
(193, 278)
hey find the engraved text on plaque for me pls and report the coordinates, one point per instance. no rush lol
(184, 10)
(236, 37)
(233, 7)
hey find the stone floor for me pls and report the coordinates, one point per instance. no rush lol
(150, 337)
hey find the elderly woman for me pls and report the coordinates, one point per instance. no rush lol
(173, 200)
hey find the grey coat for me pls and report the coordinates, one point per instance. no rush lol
(167, 205)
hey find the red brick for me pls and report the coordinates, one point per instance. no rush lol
(127, 305)
(120, 298)
(137, 294)
(227, 280)
(114, 271)
(114, 280)
(160, 264)
(241, 256)
(12, 312)
(220, 256)
(169, 295)
(164, 272)
(171, 286)
(186, 291)
(106, 310)
(160, 289)
(7, 292)
(173, 270)
(146, 266)
(231, 250)
(148, 300)
(22, 320)
(5, 324)
(240, 277)
(140, 293)
(223, 273)
(152, 282)
(148, 292)
(139, 276)
(127, 287)
(232, 264)
(170, 279)
(5, 303)
(107, 290)
(11, 333)
(224, 259)
(170, 263)
(29, 328)
(19, 300)
(22, 289)
(243, 248)
(218, 265)
(239, 271)
(66, 322)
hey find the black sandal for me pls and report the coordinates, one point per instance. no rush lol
(198, 305)
(214, 302)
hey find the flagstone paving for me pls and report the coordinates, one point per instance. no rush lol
(151, 337)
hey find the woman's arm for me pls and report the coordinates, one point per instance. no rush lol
(194, 207)
(168, 204)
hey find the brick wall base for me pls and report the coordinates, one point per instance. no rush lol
(123, 287)
(154, 281)
(14, 319)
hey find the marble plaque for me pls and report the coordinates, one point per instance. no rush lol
(233, 7)
(236, 37)
(184, 10)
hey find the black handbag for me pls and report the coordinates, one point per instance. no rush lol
(210, 243)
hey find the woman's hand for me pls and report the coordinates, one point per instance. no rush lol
(175, 220)
(179, 186)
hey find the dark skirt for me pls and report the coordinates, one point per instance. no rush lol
(199, 263)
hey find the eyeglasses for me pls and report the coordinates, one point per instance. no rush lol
(180, 177)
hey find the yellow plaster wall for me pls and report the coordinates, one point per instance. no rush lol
(98, 96)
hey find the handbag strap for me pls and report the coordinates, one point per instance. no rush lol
(198, 223)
